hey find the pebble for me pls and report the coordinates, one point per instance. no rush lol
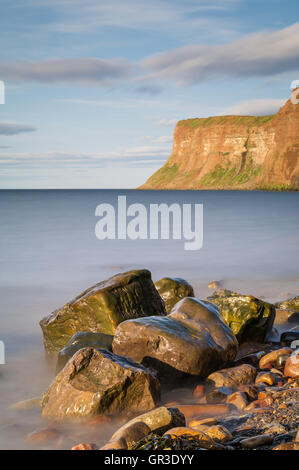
(265, 377)
(256, 441)
(272, 356)
(238, 399)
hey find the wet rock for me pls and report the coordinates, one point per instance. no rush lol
(238, 399)
(205, 410)
(172, 290)
(186, 431)
(192, 340)
(256, 441)
(250, 391)
(84, 446)
(291, 368)
(119, 444)
(99, 382)
(218, 395)
(219, 433)
(287, 446)
(272, 357)
(275, 428)
(43, 436)
(158, 420)
(83, 339)
(102, 307)
(266, 378)
(289, 304)
(26, 405)
(248, 317)
(233, 376)
(132, 433)
(288, 337)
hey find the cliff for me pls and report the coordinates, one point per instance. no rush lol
(233, 152)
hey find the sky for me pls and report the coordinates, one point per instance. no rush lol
(93, 88)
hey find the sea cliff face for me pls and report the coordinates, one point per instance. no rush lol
(233, 152)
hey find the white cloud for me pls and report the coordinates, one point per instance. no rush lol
(166, 122)
(257, 107)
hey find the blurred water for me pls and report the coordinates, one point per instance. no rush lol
(49, 253)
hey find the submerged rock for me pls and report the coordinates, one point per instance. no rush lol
(172, 290)
(192, 340)
(248, 317)
(83, 339)
(99, 382)
(102, 307)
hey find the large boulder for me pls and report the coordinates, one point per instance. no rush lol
(83, 339)
(102, 307)
(250, 319)
(100, 382)
(172, 290)
(192, 340)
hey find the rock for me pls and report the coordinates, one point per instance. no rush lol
(102, 307)
(256, 441)
(83, 339)
(199, 391)
(218, 395)
(252, 359)
(202, 422)
(158, 420)
(272, 356)
(84, 446)
(291, 368)
(289, 304)
(287, 446)
(294, 317)
(281, 360)
(250, 391)
(99, 382)
(297, 437)
(238, 399)
(214, 285)
(233, 377)
(248, 317)
(288, 337)
(219, 433)
(192, 340)
(205, 410)
(186, 431)
(132, 433)
(119, 444)
(43, 436)
(26, 405)
(172, 290)
(266, 378)
(275, 428)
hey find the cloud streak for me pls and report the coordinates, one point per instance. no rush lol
(257, 107)
(10, 128)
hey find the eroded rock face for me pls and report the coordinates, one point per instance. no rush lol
(172, 290)
(192, 340)
(102, 307)
(83, 339)
(99, 382)
(248, 317)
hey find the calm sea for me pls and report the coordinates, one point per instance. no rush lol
(49, 253)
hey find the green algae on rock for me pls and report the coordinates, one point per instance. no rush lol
(248, 317)
(83, 339)
(172, 290)
(102, 307)
(192, 340)
(292, 303)
(100, 382)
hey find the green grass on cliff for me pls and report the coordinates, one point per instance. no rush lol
(164, 175)
(249, 121)
(228, 175)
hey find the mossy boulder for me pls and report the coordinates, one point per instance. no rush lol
(292, 303)
(172, 290)
(102, 307)
(83, 339)
(100, 382)
(250, 319)
(192, 340)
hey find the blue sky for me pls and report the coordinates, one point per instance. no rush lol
(94, 88)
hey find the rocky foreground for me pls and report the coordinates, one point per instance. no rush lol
(152, 367)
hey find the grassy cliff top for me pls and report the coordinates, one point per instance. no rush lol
(220, 120)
